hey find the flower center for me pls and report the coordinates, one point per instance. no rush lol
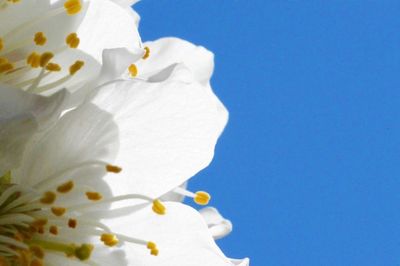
(23, 67)
(34, 222)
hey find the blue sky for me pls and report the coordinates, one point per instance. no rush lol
(308, 168)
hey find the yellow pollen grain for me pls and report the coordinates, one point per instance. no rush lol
(45, 58)
(153, 248)
(58, 211)
(1, 44)
(53, 230)
(48, 197)
(146, 53)
(33, 60)
(40, 39)
(72, 40)
(3, 60)
(76, 67)
(94, 196)
(133, 70)
(154, 252)
(39, 222)
(66, 187)
(202, 198)
(158, 207)
(73, 7)
(109, 240)
(72, 223)
(37, 251)
(113, 169)
(53, 67)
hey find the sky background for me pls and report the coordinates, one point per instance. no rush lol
(308, 169)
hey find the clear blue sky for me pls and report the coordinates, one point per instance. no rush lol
(308, 168)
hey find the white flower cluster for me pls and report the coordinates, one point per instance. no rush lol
(99, 134)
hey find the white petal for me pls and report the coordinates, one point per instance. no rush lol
(167, 51)
(181, 236)
(82, 135)
(168, 132)
(172, 196)
(108, 25)
(218, 225)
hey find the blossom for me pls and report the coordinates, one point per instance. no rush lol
(47, 45)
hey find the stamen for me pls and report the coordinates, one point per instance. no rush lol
(158, 207)
(72, 223)
(49, 197)
(73, 7)
(53, 67)
(200, 197)
(133, 70)
(109, 239)
(76, 67)
(95, 196)
(113, 169)
(58, 211)
(53, 230)
(66, 187)
(40, 39)
(37, 251)
(45, 58)
(33, 60)
(146, 53)
(72, 40)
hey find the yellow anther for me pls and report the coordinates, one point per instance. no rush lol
(72, 40)
(33, 60)
(53, 67)
(40, 39)
(133, 70)
(76, 67)
(72, 223)
(153, 248)
(109, 239)
(1, 44)
(39, 223)
(202, 198)
(53, 230)
(73, 6)
(84, 251)
(158, 207)
(94, 196)
(113, 169)
(48, 197)
(37, 251)
(146, 53)
(6, 67)
(58, 211)
(3, 60)
(45, 58)
(154, 252)
(66, 187)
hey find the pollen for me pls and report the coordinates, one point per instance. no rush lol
(153, 248)
(113, 169)
(72, 40)
(40, 39)
(109, 240)
(36, 262)
(76, 67)
(146, 53)
(66, 187)
(73, 7)
(6, 67)
(53, 230)
(58, 211)
(45, 58)
(72, 223)
(52, 67)
(158, 207)
(48, 197)
(133, 70)
(94, 196)
(1, 44)
(33, 60)
(202, 198)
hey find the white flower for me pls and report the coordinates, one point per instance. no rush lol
(47, 45)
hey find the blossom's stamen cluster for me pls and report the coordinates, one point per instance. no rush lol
(22, 66)
(199, 197)
(36, 222)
